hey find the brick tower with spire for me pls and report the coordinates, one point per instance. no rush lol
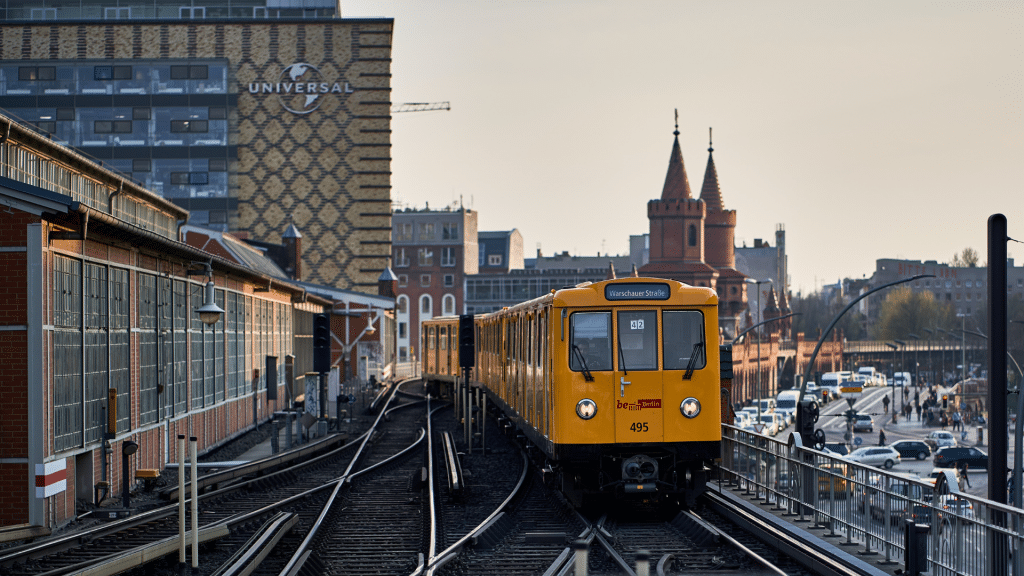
(677, 228)
(692, 239)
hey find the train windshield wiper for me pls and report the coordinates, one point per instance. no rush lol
(622, 359)
(583, 362)
(698, 349)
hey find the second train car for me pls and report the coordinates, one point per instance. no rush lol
(615, 382)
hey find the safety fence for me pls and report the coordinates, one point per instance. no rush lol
(925, 524)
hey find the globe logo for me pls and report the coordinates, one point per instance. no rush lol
(303, 88)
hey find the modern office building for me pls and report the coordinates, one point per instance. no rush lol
(250, 115)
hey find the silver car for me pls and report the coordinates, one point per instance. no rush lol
(884, 456)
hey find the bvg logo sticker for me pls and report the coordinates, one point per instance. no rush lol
(639, 404)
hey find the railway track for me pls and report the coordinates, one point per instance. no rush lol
(382, 504)
(240, 510)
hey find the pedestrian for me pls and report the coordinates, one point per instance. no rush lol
(881, 437)
(885, 404)
(963, 474)
(957, 424)
(918, 408)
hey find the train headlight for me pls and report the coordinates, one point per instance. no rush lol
(586, 408)
(690, 407)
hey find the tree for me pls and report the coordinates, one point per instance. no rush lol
(907, 312)
(815, 314)
(967, 258)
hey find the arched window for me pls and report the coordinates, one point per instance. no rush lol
(448, 305)
(403, 304)
(692, 236)
(426, 307)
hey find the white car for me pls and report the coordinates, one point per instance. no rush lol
(770, 423)
(940, 439)
(884, 456)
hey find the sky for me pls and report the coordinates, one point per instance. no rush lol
(866, 129)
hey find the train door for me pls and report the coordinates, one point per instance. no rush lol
(639, 392)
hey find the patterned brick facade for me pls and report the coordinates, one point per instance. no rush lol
(328, 171)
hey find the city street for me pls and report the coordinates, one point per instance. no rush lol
(833, 423)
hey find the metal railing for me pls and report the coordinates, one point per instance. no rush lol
(868, 508)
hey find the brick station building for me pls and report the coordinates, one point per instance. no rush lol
(102, 340)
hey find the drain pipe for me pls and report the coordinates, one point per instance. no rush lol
(110, 199)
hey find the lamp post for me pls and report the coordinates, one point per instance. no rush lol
(917, 369)
(758, 390)
(892, 385)
(963, 346)
(952, 352)
(931, 369)
(903, 369)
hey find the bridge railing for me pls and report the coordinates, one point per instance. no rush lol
(866, 508)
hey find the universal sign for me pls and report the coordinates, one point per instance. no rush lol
(301, 88)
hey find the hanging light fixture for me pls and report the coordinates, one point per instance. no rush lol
(209, 312)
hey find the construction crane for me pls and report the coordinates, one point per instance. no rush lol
(420, 107)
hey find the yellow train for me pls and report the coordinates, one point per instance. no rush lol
(615, 382)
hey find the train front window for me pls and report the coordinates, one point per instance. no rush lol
(684, 330)
(638, 340)
(590, 343)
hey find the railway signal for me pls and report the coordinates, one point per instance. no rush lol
(321, 343)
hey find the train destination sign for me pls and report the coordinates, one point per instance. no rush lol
(636, 291)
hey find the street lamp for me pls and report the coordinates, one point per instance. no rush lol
(903, 369)
(963, 346)
(952, 354)
(931, 368)
(758, 390)
(209, 312)
(917, 369)
(892, 386)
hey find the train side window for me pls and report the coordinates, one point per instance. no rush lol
(638, 340)
(443, 338)
(590, 336)
(430, 338)
(683, 330)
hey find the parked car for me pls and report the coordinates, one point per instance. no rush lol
(884, 456)
(956, 456)
(940, 439)
(912, 449)
(863, 423)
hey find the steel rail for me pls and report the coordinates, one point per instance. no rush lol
(76, 540)
(802, 552)
(249, 557)
(737, 544)
(298, 559)
(452, 551)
